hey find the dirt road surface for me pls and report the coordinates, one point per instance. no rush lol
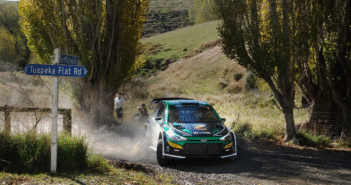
(258, 163)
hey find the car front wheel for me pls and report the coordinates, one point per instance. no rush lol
(233, 158)
(161, 160)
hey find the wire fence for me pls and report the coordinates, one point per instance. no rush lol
(25, 119)
(25, 122)
(326, 123)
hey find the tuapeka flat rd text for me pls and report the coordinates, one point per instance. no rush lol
(56, 70)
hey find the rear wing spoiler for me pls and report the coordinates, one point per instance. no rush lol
(158, 100)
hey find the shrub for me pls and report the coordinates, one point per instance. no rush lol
(25, 153)
(246, 130)
(234, 88)
(344, 142)
(71, 153)
(311, 139)
(174, 57)
(96, 163)
(242, 128)
(222, 84)
(250, 81)
(237, 76)
(264, 133)
(30, 153)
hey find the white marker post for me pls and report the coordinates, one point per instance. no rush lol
(54, 115)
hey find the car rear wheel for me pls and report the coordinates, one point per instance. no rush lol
(161, 160)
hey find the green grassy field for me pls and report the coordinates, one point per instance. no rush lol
(179, 43)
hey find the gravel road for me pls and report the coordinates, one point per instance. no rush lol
(255, 165)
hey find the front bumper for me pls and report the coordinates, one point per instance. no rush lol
(199, 149)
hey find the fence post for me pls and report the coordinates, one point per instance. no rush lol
(7, 119)
(67, 121)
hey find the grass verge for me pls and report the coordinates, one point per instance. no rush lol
(113, 176)
(25, 159)
(30, 153)
(311, 139)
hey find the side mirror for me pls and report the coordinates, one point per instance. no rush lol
(159, 119)
(223, 120)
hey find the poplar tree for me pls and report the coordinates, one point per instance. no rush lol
(325, 68)
(259, 34)
(13, 46)
(104, 35)
(308, 42)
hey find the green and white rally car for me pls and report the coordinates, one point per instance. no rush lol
(184, 128)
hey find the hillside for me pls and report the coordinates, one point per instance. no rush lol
(201, 71)
(210, 76)
(165, 48)
(180, 43)
(164, 16)
(209, 72)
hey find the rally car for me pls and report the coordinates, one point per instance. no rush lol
(183, 128)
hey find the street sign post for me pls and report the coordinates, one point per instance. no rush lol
(54, 113)
(63, 65)
(56, 70)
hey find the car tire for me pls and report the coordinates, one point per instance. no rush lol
(234, 158)
(161, 160)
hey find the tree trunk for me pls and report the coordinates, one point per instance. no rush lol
(96, 99)
(290, 130)
(286, 102)
(346, 121)
(321, 115)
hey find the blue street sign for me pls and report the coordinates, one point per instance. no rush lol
(55, 70)
(68, 60)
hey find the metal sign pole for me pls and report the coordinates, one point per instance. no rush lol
(54, 116)
(63, 65)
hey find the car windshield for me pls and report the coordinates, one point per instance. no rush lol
(192, 113)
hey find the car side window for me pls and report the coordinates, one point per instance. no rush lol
(161, 111)
(155, 109)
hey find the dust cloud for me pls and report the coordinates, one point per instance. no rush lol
(127, 140)
(118, 141)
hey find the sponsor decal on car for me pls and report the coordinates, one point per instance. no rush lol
(200, 127)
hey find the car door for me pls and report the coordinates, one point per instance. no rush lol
(154, 126)
(158, 121)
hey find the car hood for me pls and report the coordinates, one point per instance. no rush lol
(199, 129)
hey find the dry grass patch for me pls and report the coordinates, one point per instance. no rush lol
(196, 75)
(235, 87)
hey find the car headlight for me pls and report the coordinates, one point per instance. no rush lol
(227, 137)
(176, 138)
